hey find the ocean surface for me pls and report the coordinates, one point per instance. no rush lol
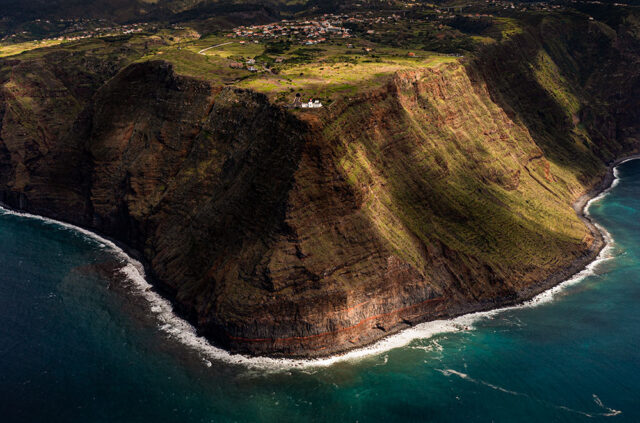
(83, 339)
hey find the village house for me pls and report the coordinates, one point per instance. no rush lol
(312, 104)
(304, 31)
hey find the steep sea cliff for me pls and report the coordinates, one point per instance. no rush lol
(79, 344)
(444, 191)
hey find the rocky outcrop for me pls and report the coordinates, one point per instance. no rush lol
(441, 192)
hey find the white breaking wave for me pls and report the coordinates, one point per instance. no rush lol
(449, 372)
(180, 330)
(609, 412)
(614, 183)
(604, 193)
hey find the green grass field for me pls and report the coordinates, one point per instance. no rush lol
(326, 71)
(7, 50)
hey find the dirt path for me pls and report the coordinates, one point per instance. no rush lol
(217, 45)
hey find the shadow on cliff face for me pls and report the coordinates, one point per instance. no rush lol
(585, 55)
(233, 185)
(44, 107)
(6, 168)
(196, 178)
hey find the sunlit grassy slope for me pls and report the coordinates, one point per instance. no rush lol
(13, 49)
(443, 163)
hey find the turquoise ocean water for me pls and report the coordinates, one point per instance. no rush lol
(79, 345)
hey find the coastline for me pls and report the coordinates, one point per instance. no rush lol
(601, 237)
(459, 318)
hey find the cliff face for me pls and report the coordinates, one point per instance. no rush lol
(573, 86)
(447, 190)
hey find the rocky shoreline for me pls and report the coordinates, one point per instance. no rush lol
(577, 265)
(580, 206)
(558, 277)
(555, 279)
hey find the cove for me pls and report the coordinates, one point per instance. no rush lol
(76, 345)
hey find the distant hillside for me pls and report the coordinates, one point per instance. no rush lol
(17, 16)
(126, 10)
(114, 9)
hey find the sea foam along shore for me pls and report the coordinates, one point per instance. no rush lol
(183, 332)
